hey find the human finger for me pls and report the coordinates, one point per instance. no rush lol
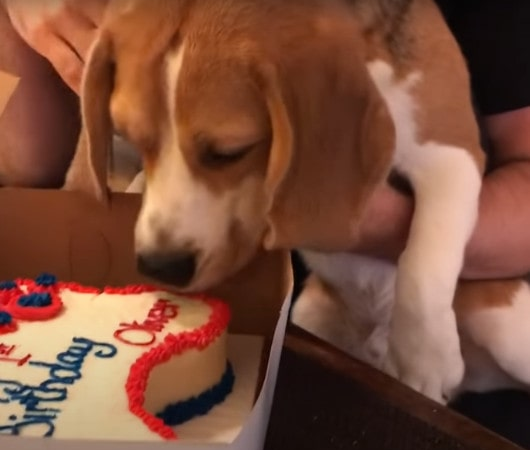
(75, 29)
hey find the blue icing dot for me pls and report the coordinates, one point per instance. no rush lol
(46, 279)
(7, 285)
(5, 318)
(178, 413)
(38, 300)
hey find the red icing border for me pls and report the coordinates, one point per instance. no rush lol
(172, 345)
(78, 288)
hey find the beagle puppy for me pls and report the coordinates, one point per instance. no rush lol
(271, 123)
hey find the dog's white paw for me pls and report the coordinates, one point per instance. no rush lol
(426, 356)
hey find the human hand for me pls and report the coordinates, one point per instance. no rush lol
(384, 228)
(60, 30)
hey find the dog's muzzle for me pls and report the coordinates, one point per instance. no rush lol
(176, 268)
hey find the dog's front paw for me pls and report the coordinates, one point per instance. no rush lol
(427, 358)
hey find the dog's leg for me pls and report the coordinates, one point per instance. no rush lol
(347, 302)
(424, 348)
(503, 333)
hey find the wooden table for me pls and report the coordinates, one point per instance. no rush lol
(327, 401)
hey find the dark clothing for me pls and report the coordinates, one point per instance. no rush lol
(495, 38)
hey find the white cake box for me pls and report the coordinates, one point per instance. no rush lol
(79, 239)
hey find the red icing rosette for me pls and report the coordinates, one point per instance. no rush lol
(39, 299)
(43, 305)
(31, 300)
(8, 290)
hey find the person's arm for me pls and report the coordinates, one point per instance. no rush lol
(500, 246)
(39, 127)
(44, 43)
(385, 226)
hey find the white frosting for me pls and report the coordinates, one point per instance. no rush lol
(97, 404)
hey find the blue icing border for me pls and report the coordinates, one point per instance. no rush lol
(178, 413)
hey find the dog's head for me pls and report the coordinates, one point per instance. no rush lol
(257, 121)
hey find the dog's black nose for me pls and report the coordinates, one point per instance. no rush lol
(177, 268)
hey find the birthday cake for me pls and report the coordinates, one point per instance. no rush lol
(118, 363)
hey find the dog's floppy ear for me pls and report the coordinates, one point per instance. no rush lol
(88, 170)
(333, 138)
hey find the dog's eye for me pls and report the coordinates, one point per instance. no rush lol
(215, 158)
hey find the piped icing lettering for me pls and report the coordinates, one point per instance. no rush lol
(144, 334)
(7, 355)
(41, 403)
